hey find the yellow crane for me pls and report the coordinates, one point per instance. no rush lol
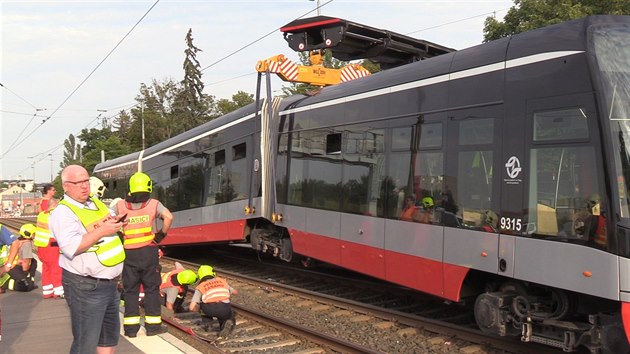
(315, 74)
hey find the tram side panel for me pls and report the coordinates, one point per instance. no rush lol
(562, 167)
(209, 189)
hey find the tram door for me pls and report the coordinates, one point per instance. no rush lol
(472, 169)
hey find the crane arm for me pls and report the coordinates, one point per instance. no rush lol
(316, 74)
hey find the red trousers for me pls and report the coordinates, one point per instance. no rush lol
(51, 271)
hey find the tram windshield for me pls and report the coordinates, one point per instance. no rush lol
(611, 46)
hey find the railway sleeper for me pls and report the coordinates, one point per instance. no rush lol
(503, 314)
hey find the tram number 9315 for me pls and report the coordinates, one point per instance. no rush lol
(513, 224)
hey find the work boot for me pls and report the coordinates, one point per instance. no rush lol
(228, 327)
(159, 330)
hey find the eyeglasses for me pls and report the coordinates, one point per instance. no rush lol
(80, 183)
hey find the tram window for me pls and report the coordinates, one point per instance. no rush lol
(174, 171)
(219, 157)
(431, 135)
(360, 170)
(474, 186)
(396, 185)
(401, 138)
(238, 172)
(562, 124)
(564, 197)
(333, 143)
(476, 131)
(239, 152)
(314, 176)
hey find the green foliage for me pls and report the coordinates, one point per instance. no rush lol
(531, 14)
(71, 152)
(166, 107)
(239, 99)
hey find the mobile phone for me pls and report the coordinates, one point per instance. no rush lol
(122, 218)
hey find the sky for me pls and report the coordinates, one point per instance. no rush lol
(65, 65)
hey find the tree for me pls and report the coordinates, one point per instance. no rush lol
(122, 126)
(70, 152)
(239, 99)
(112, 146)
(531, 14)
(191, 104)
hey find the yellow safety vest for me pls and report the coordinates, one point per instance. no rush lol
(109, 250)
(43, 236)
(4, 255)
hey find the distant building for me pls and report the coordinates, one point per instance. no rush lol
(19, 198)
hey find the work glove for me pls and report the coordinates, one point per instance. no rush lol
(159, 236)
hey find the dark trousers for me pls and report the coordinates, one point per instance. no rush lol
(142, 266)
(21, 280)
(221, 310)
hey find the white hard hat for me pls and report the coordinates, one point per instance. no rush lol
(97, 187)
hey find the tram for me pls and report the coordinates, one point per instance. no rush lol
(511, 154)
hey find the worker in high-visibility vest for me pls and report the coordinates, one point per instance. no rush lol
(91, 261)
(142, 266)
(48, 252)
(175, 285)
(6, 257)
(22, 273)
(213, 293)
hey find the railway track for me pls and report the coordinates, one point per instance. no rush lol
(14, 224)
(372, 328)
(287, 309)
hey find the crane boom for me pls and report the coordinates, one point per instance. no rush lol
(315, 74)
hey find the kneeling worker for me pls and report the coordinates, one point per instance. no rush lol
(214, 295)
(22, 275)
(175, 285)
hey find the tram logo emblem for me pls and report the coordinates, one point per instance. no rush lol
(513, 167)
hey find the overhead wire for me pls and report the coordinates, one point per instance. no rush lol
(87, 126)
(84, 80)
(209, 66)
(261, 38)
(18, 96)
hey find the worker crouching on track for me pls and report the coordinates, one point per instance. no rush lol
(214, 295)
(175, 285)
(22, 273)
(142, 266)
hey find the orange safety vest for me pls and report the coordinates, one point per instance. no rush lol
(214, 290)
(601, 231)
(167, 281)
(139, 229)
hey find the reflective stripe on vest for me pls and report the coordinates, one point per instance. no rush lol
(43, 236)
(4, 254)
(138, 231)
(109, 250)
(214, 290)
(4, 278)
(167, 281)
